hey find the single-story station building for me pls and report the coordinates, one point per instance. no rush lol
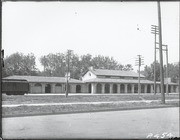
(116, 81)
(96, 81)
(41, 84)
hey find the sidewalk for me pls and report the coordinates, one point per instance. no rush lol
(93, 103)
(89, 94)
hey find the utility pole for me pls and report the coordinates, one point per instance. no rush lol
(179, 52)
(139, 62)
(155, 31)
(68, 72)
(166, 49)
(160, 53)
(1, 69)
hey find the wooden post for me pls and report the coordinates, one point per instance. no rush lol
(179, 50)
(167, 91)
(139, 86)
(0, 68)
(68, 73)
(161, 54)
(155, 65)
(154, 30)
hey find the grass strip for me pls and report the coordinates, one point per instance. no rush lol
(55, 109)
(30, 99)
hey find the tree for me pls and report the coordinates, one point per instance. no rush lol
(54, 64)
(104, 62)
(85, 63)
(19, 64)
(148, 72)
(173, 70)
(29, 64)
(75, 67)
(127, 67)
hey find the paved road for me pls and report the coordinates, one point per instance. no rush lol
(114, 124)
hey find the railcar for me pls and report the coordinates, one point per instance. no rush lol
(15, 87)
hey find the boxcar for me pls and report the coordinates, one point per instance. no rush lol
(15, 87)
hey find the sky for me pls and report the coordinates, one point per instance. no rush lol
(121, 30)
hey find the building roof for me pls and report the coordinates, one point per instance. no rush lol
(42, 79)
(104, 72)
(127, 81)
(108, 80)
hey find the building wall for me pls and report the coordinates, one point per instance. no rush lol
(98, 88)
(37, 89)
(58, 88)
(85, 88)
(41, 87)
(88, 75)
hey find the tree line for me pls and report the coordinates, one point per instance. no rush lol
(173, 71)
(56, 65)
